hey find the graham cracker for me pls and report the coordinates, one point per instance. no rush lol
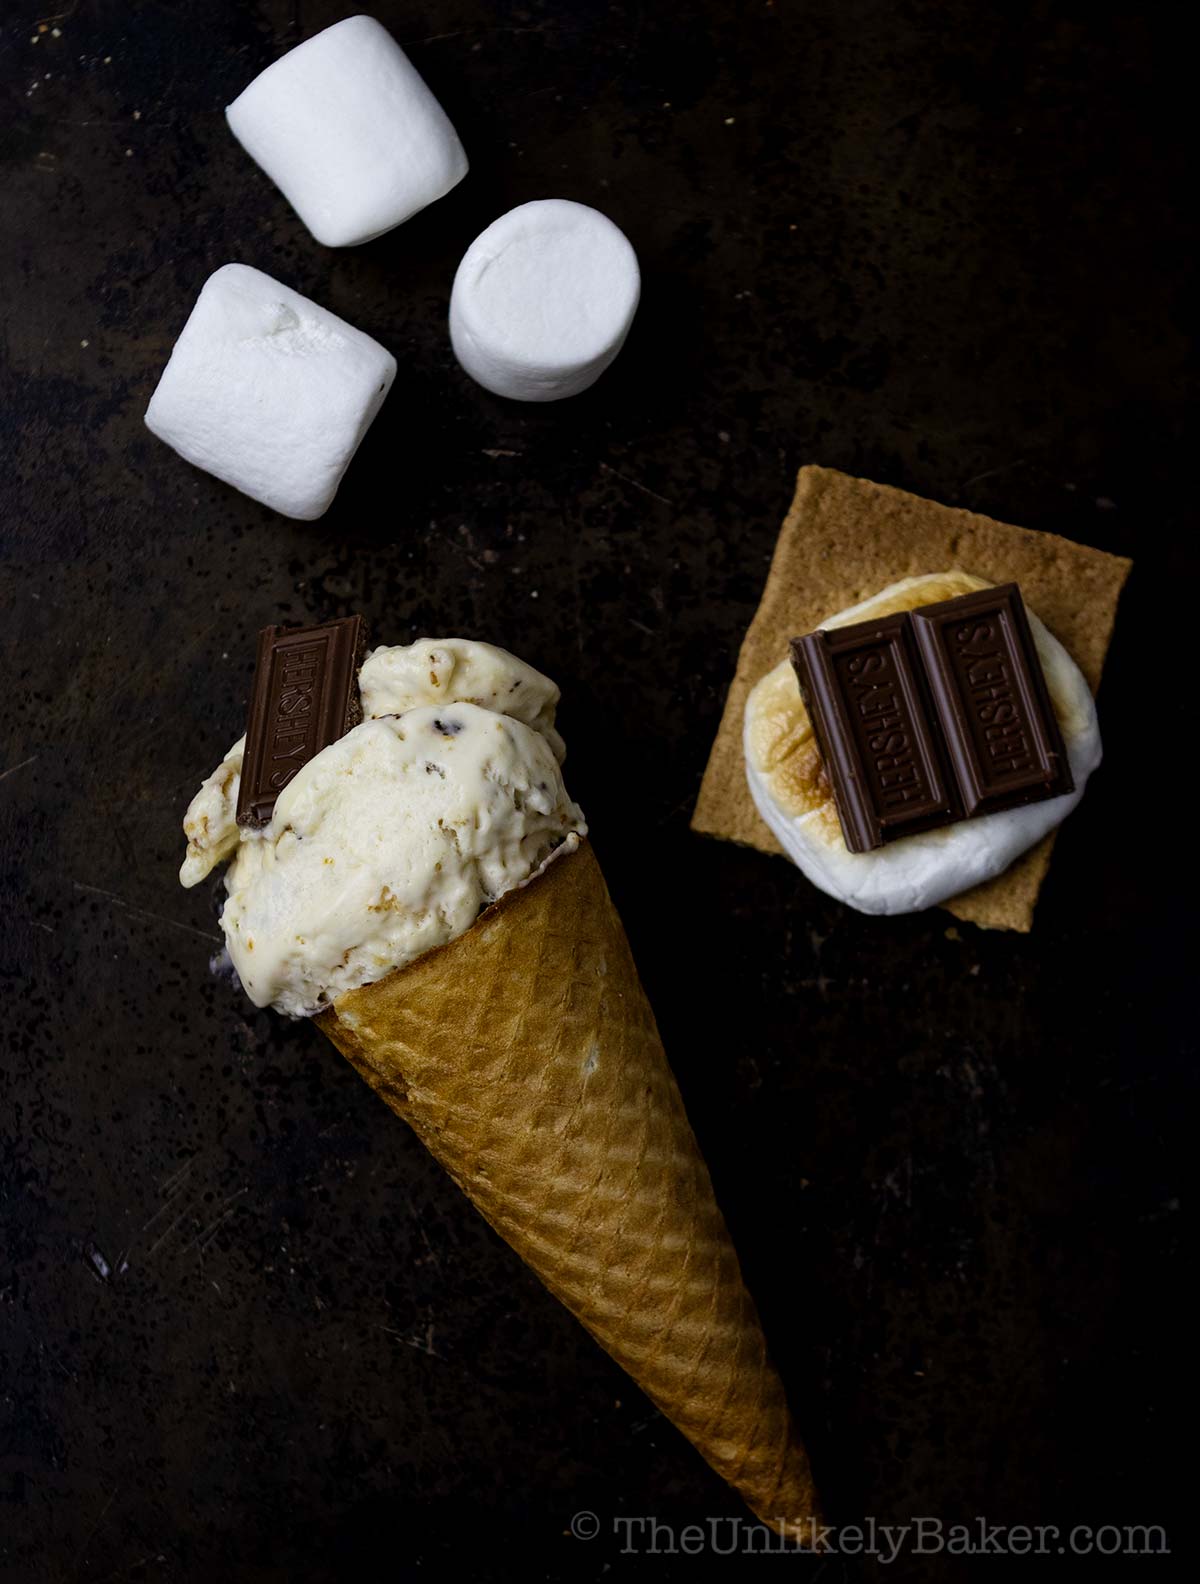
(843, 540)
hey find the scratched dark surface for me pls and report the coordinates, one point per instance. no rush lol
(247, 1329)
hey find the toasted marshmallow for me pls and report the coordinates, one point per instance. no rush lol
(793, 795)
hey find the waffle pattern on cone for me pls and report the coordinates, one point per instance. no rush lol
(526, 1057)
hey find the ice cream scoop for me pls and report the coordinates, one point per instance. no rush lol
(403, 676)
(391, 840)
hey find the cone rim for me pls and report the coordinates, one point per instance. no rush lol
(574, 845)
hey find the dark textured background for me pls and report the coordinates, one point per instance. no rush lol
(247, 1329)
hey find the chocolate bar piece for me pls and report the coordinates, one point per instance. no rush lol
(305, 696)
(867, 700)
(932, 715)
(992, 701)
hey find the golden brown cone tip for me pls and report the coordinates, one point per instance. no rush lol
(526, 1058)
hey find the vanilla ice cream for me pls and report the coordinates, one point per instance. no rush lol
(392, 839)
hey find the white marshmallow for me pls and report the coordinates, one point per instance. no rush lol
(269, 392)
(919, 871)
(347, 130)
(543, 300)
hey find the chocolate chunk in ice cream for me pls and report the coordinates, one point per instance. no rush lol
(305, 696)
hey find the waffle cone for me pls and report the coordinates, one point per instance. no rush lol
(525, 1056)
